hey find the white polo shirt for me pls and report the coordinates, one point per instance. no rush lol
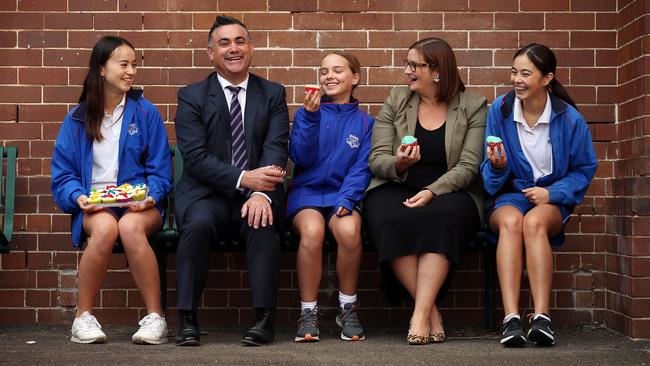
(536, 141)
(106, 152)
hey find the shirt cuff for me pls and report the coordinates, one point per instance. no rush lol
(238, 186)
(263, 194)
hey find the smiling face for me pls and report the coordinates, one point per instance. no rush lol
(231, 52)
(527, 79)
(337, 78)
(421, 78)
(119, 70)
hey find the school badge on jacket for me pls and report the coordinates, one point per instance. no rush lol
(353, 141)
(133, 129)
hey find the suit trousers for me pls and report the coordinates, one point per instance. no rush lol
(206, 221)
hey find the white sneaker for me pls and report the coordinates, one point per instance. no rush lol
(153, 330)
(86, 329)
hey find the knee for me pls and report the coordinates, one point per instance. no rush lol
(511, 224)
(533, 226)
(202, 224)
(105, 231)
(130, 229)
(348, 237)
(311, 237)
(103, 237)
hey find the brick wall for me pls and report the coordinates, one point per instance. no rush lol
(628, 202)
(601, 273)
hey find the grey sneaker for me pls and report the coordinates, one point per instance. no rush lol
(308, 326)
(348, 320)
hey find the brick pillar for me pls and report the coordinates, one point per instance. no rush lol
(628, 221)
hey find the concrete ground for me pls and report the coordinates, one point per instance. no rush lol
(50, 345)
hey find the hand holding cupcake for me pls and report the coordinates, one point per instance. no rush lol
(408, 153)
(496, 153)
(312, 98)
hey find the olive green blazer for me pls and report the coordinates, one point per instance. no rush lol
(464, 134)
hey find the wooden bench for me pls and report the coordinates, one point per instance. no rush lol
(166, 241)
(7, 194)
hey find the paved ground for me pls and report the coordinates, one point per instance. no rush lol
(35, 345)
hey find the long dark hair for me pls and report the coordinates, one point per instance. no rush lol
(439, 55)
(544, 59)
(92, 94)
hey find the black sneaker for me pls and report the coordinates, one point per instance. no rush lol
(512, 333)
(541, 330)
(348, 320)
(308, 326)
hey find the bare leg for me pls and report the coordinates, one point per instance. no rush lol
(540, 223)
(506, 222)
(101, 228)
(310, 225)
(432, 271)
(347, 232)
(134, 228)
(406, 271)
(407, 275)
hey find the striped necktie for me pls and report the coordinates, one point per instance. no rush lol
(237, 130)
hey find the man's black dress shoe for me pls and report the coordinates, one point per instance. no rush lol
(187, 333)
(263, 331)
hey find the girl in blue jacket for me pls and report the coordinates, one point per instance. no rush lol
(330, 143)
(535, 177)
(113, 136)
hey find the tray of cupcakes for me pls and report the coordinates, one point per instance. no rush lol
(118, 196)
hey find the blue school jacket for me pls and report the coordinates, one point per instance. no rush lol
(574, 157)
(143, 157)
(330, 149)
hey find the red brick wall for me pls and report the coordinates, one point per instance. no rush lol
(628, 205)
(601, 274)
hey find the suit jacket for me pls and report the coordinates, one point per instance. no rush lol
(203, 135)
(464, 134)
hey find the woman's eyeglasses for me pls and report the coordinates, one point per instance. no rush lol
(414, 65)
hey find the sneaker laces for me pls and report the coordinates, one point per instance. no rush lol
(150, 321)
(350, 316)
(309, 317)
(512, 324)
(89, 322)
(538, 316)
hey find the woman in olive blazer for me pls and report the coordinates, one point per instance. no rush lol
(426, 200)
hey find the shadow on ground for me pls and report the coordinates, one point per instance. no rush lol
(50, 345)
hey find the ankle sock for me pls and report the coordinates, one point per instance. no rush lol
(346, 299)
(510, 316)
(308, 305)
(541, 315)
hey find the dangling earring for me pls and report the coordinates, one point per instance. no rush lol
(436, 79)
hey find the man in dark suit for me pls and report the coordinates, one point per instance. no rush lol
(232, 129)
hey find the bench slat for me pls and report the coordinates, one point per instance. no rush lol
(10, 152)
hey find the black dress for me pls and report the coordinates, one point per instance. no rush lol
(444, 225)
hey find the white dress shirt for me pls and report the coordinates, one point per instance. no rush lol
(536, 141)
(105, 152)
(241, 97)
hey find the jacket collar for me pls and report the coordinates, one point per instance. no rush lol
(342, 108)
(79, 113)
(507, 104)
